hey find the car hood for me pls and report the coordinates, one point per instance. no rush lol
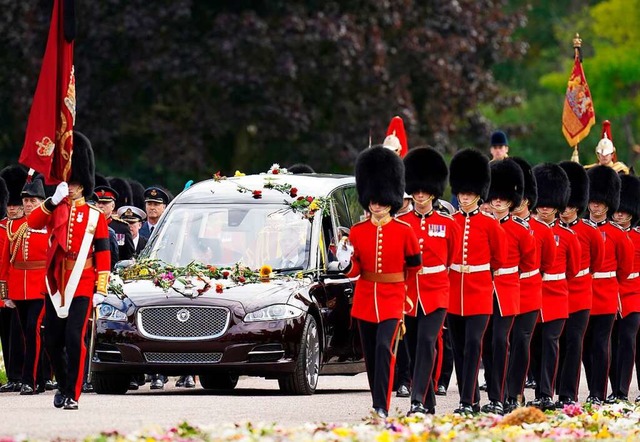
(250, 296)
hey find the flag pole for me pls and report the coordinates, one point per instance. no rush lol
(577, 53)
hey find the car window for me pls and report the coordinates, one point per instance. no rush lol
(348, 209)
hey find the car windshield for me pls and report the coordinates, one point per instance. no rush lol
(219, 235)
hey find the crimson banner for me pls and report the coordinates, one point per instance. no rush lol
(578, 114)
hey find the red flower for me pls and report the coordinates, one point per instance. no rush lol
(225, 274)
(241, 279)
(275, 171)
(309, 198)
(257, 194)
(219, 288)
(293, 192)
(300, 198)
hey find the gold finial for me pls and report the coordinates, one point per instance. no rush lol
(577, 41)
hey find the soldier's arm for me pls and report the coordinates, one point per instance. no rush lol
(102, 255)
(41, 215)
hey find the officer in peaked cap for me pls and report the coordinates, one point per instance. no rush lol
(155, 200)
(134, 217)
(499, 146)
(106, 201)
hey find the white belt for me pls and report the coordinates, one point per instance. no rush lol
(506, 271)
(553, 276)
(582, 272)
(633, 275)
(604, 275)
(529, 274)
(469, 268)
(433, 269)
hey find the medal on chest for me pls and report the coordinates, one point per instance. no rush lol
(604, 236)
(79, 217)
(437, 230)
(557, 240)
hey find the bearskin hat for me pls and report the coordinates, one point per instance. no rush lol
(630, 197)
(14, 177)
(101, 180)
(425, 170)
(380, 178)
(579, 180)
(553, 186)
(507, 182)
(530, 185)
(300, 168)
(123, 189)
(137, 192)
(604, 187)
(4, 197)
(83, 166)
(470, 173)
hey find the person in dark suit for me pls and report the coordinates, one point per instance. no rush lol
(134, 217)
(106, 201)
(155, 201)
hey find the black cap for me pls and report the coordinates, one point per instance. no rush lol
(34, 189)
(499, 138)
(105, 194)
(156, 194)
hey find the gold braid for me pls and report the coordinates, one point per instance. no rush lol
(15, 239)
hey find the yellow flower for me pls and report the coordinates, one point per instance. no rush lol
(385, 436)
(144, 272)
(342, 432)
(238, 173)
(314, 205)
(603, 433)
(265, 271)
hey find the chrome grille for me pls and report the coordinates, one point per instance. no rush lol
(183, 323)
(183, 358)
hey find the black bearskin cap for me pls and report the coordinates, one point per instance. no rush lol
(425, 170)
(137, 192)
(14, 177)
(470, 173)
(553, 186)
(83, 166)
(507, 182)
(300, 168)
(4, 197)
(604, 187)
(630, 196)
(101, 180)
(530, 185)
(123, 189)
(579, 181)
(380, 178)
(34, 188)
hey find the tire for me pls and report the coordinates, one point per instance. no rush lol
(304, 379)
(220, 381)
(110, 383)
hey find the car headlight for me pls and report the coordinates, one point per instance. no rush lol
(110, 313)
(274, 312)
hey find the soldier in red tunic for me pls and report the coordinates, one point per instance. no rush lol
(78, 262)
(623, 341)
(385, 255)
(553, 196)
(439, 238)
(471, 285)
(505, 194)
(580, 286)
(604, 199)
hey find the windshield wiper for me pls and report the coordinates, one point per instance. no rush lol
(288, 269)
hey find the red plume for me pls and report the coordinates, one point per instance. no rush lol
(396, 127)
(606, 131)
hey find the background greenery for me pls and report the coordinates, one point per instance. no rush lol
(173, 90)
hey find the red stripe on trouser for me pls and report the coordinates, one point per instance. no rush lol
(392, 363)
(439, 358)
(38, 345)
(83, 353)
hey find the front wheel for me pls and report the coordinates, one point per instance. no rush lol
(220, 381)
(304, 379)
(110, 383)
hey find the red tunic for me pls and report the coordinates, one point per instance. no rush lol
(616, 266)
(24, 255)
(592, 247)
(521, 257)
(439, 237)
(555, 289)
(483, 248)
(60, 259)
(630, 287)
(384, 257)
(531, 283)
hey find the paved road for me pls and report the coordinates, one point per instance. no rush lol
(338, 399)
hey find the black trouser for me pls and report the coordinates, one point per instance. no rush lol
(466, 335)
(597, 353)
(422, 336)
(31, 313)
(521, 335)
(12, 343)
(496, 345)
(403, 366)
(64, 340)
(446, 359)
(571, 343)
(624, 349)
(378, 346)
(545, 362)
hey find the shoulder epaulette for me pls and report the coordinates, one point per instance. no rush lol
(566, 228)
(636, 229)
(520, 221)
(92, 207)
(402, 222)
(589, 223)
(360, 222)
(488, 215)
(614, 224)
(444, 214)
(118, 220)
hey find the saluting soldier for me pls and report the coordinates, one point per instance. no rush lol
(604, 199)
(385, 255)
(78, 261)
(580, 286)
(471, 291)
(106, 201)
(439, 238)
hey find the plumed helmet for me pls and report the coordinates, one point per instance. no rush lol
(604, 187)
(83, 166)
(469, 172)
(123, 189)
(14, 177)
(396, 139)
(530, 185)
(630, 197)
(137, 190)
(300, 168)
(553, 186)
(425, 170)
(579, 197)
(507, 182)
(605, 145)
(380, 178)
(499, 138)
(4, 197)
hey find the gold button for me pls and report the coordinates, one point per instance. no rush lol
(379, 271)
(421, 240)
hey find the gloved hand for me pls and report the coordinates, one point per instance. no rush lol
(98, 298)
(344, 253)
(9, 303)
(62, 191)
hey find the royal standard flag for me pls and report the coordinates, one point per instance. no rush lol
(578, 114)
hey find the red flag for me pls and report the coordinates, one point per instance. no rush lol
(48, 143)
(578, 114)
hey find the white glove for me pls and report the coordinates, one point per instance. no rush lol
(9, 303)
(98, 298)
(62, 191)
(344, 253)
